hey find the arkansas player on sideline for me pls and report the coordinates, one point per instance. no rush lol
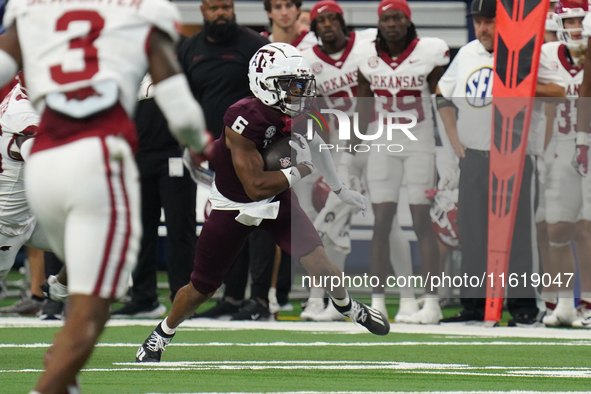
(245, 197)
(336, 59)
(402, 71)
(18, 226)
(568, 193)
(84, 62)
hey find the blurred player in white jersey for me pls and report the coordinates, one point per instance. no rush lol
(402, 70)
(18, 226)
(568, 193)
(84, 62)
(335, 63)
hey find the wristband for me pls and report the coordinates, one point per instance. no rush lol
(292, 174)
(442, 102)
(582, 138)
(308, 164)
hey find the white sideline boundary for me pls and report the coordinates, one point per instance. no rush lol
(452, 330)
(396, 392)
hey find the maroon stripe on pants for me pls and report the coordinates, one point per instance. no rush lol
(125, 247)
(112, 224)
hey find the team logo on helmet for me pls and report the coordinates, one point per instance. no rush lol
(280, 77)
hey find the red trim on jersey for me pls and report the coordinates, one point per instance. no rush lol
(327, 59)
(566, 63)
(125, 247)
(30, 130)
(57, 129)
(402, 57)
(112, 222)
(299, 38)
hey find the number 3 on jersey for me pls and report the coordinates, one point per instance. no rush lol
(85, 43)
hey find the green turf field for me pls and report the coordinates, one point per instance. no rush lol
(291, 356)
(209, 359)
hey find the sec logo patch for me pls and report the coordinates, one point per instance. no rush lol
(479, 87)
(317, 68)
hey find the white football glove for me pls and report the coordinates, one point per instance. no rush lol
(356, 199)
(449, 178)
(303, 153)
(55, 290)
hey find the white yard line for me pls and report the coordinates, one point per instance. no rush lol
(315, 344)
(332, 327)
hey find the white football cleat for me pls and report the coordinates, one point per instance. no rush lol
(314, 308)
(329, 314)
(408, 307)
(429, 314)
(560, 317)
(583, 319)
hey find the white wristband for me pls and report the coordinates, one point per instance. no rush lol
(292, 174)
(582, 138)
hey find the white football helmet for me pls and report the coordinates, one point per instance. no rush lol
(571, 9)
(280, 77)
(444, 215)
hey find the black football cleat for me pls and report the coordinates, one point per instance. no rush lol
(151, 350)
(370, 318)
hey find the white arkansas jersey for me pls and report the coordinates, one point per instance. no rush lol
(16, 116)
(572, 76)
(70, 45)
(336, 78)
(405, 78)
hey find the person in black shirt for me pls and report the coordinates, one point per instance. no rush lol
(164, 184)
(215, 61)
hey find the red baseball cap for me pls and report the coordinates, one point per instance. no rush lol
(400, 5)
(325, 5)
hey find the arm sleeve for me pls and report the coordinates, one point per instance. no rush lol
(322, 159)
(447, 82)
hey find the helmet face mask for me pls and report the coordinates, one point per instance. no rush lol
(566, 15)
(281, 78)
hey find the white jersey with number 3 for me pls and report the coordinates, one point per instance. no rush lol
(572, 77)
(71, 45)
(401, 83)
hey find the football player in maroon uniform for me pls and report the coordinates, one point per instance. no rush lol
(245, 197)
